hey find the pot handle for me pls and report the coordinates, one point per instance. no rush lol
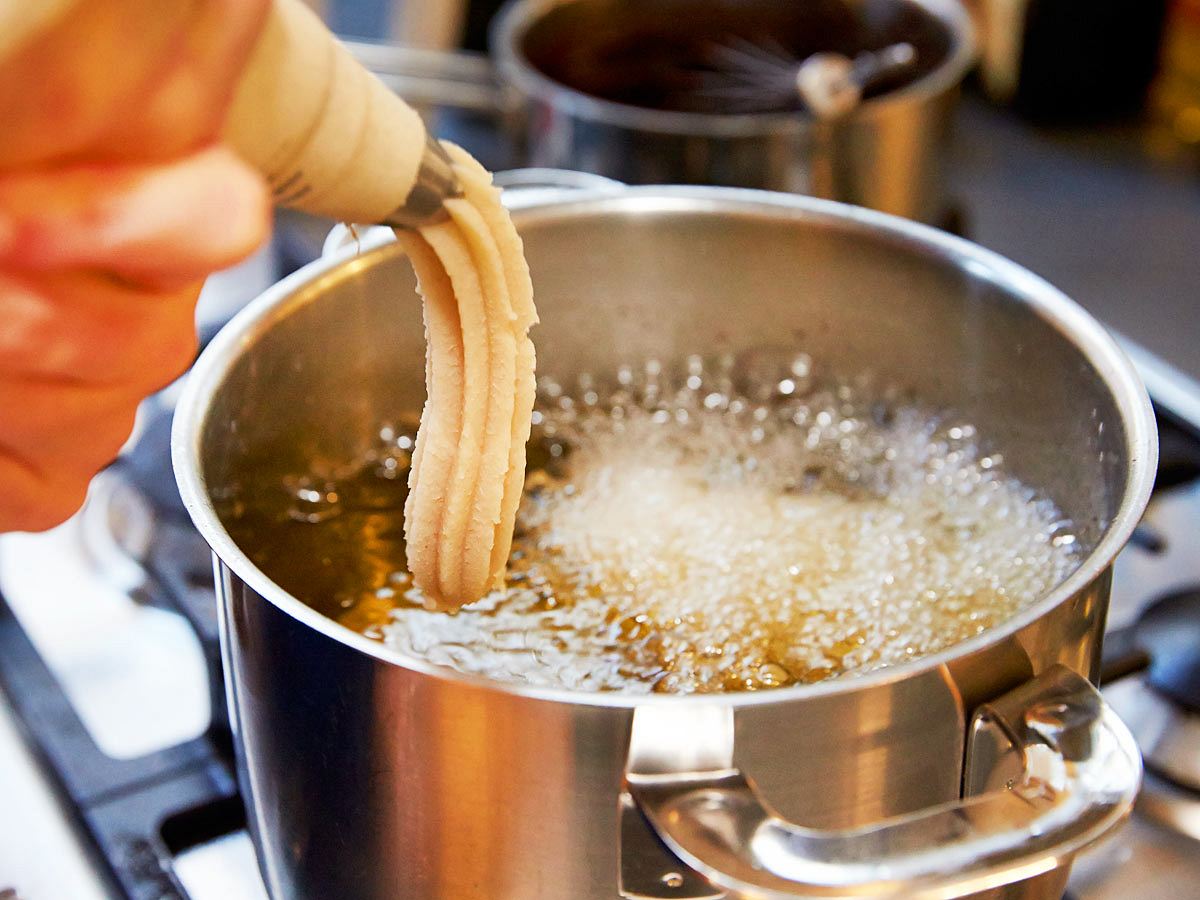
(1051, 767)
(522, 187)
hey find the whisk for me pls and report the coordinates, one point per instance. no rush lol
(757, 74)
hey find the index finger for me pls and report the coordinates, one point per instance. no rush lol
(188, 105)
(63, 85)
(159, 226)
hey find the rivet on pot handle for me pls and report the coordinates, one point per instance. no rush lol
(522, 187)
(1076, 773)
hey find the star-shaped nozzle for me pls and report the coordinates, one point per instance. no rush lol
(435, 185)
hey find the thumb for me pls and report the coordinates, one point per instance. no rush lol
(159, 225)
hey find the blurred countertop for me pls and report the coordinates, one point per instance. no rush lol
(1097, 212)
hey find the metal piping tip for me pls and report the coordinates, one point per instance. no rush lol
(435, 185)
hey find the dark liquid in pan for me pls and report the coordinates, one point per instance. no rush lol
(665, 54)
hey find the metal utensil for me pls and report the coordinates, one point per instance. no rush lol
(830, 84)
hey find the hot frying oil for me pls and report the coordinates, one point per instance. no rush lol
(715, 528)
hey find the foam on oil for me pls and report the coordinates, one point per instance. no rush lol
(709, 529)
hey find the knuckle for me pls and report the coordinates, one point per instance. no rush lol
(178, 352)
(59, 506)
(109, 444)
(36, 505)
(77, 466)
(54, 327)
(32, 332)
(159, 349)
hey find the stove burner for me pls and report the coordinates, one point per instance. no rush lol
(1169, 632)
(1162, 708)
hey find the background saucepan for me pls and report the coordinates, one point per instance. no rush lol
(564, 76)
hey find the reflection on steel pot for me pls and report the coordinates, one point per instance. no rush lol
(581, 85)
(373, 775)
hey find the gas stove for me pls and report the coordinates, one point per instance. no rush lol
(115, 752)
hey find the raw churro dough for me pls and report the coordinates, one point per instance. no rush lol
(469, 460)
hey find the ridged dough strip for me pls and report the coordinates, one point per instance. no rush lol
(477, 182)
(462, 503)
(437, 438)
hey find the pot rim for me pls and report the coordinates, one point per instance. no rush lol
(1071, 320)
(516, 17)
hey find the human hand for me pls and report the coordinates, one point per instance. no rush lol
(115, 203)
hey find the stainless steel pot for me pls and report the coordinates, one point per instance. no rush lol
(887, 154)
(982, 768)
